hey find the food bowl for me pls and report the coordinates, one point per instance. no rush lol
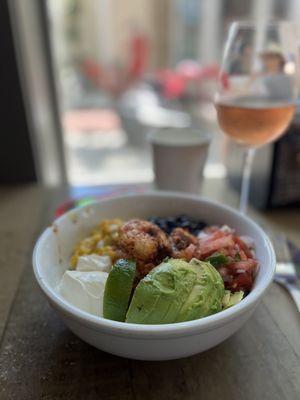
(147, 342)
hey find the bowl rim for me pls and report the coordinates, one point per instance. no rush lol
(116, 328)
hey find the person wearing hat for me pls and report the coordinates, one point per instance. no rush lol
(276, 83)
(272, 59)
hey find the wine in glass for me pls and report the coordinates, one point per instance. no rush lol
(257, 92)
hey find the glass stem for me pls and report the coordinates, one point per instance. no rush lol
(248, 162)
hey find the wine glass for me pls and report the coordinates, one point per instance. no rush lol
(257, 88)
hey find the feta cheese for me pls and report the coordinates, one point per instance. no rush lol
(93, 262)
(84, 289)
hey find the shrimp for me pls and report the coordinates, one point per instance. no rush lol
(144, 241)
(183, 244)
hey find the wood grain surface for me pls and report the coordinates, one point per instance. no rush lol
(41, 359)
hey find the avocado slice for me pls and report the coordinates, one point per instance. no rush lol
(177, 291)
(230, 299)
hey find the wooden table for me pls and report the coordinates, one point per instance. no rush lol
(41, 359)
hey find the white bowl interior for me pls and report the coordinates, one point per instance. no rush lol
(57, 243)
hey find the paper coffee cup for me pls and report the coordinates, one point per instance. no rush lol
(179, 156)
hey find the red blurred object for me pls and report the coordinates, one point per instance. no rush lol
(90, 120)
(242, 281)
(213, 72)
(188, 69)
(139, 50)
(116, 80)
(92, 71)
(174, 83)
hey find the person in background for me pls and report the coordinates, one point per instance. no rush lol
(273, 60)
(271, 79)
(276, 82)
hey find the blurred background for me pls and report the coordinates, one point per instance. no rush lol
(86, 80)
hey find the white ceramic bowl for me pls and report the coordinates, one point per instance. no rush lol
(147, 342)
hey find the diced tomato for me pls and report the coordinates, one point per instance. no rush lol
(223, 271)
(244, 266)
(231, 251)
(211, 229)
(243, 246)
(207, 248)
(242, 255)
(213, 236)
(241, 282)
(238, 274)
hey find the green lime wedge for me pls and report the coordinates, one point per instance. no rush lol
(118, 290)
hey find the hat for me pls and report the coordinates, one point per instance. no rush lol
(272, 49)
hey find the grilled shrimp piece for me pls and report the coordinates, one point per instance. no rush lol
(183, 244)
(181, 238)
(144, 241)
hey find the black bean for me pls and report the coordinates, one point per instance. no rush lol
(183, 218)
(193, 225)
(165, 228)
(185, 224)
(171, 220)
(170, 227)
(167, 224)
(201, 225)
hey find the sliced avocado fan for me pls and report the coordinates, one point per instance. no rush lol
(176, 291)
